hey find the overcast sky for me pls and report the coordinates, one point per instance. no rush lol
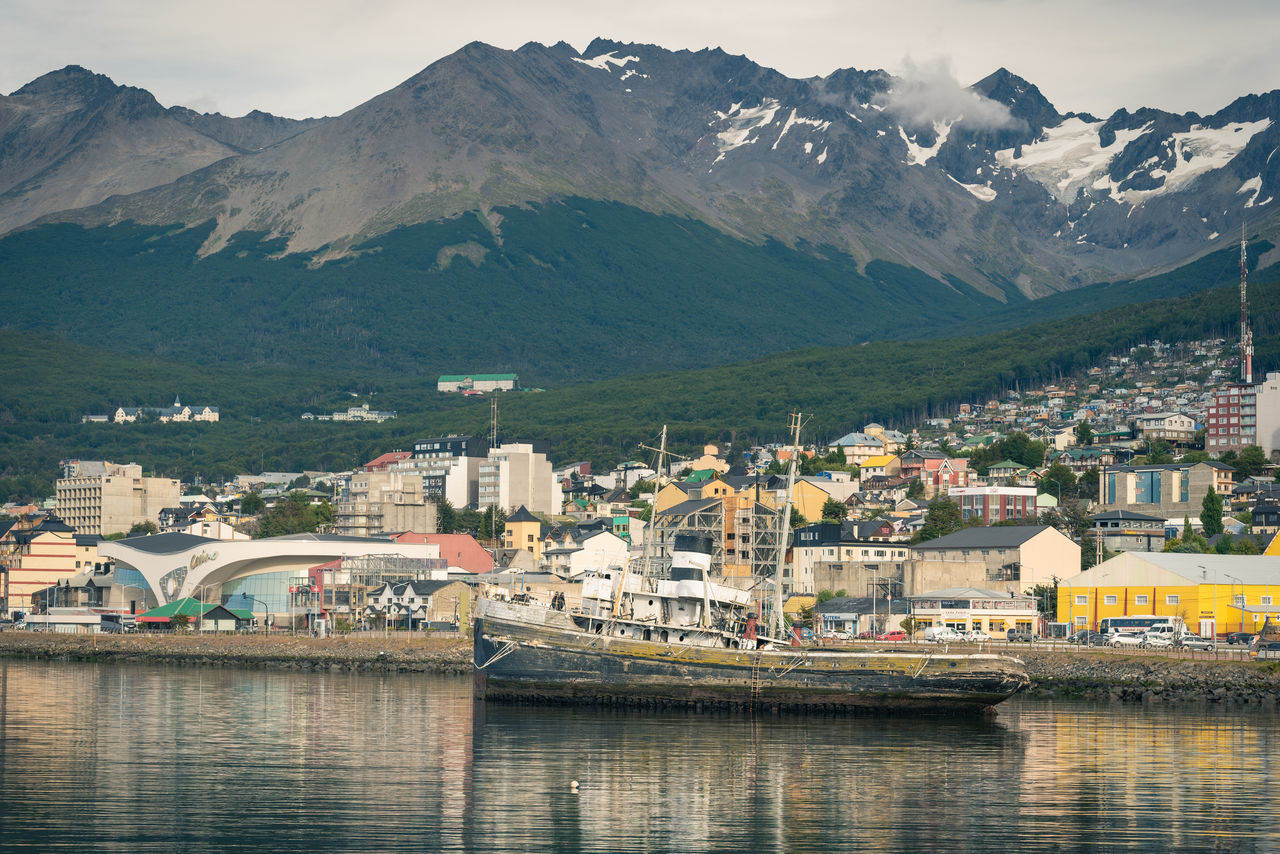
(303, 58)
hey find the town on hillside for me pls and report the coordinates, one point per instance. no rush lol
(1144, 488)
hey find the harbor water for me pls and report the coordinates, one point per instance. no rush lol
(116, 757)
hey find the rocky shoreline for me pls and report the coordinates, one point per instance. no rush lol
(1105, 676)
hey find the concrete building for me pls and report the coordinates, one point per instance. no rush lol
(1173, 427)
(856, 557)
(1171, 490)
(449, 467)
(1127, 531)
(1008, 558)
(101, 497)
(477, 382)
(384, 502)
(519, 474)
(994, 504)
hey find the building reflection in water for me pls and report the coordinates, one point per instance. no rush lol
(214, 759)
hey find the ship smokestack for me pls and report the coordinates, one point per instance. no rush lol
(690, 557)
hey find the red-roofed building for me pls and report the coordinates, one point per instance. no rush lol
(385, 461)
(458, 550)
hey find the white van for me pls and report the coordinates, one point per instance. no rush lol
(942, 634)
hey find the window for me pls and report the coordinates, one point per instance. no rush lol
(1080, 620)
(1109, 600)
(1082, 598)
(1171, 599)
(1266, 600)
(1238, 600)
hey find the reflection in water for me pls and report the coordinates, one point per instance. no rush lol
(155, 759)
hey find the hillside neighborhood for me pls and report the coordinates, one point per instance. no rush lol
(993, 510)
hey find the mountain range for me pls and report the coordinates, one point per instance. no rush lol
(593, 185)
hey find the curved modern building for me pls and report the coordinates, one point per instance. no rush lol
(173, 566)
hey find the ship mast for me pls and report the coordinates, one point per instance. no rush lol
(1246, 334)
(648, 531)
(784, 527)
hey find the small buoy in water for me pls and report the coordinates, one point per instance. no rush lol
(573, 786)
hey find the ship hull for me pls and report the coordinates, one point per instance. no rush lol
(528, 654)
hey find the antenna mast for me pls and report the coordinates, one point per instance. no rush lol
(1246, 335)
(784, 525)
(493, 434)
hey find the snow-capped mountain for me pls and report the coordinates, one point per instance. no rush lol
(990, 186)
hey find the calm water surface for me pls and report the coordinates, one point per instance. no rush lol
(137, 758)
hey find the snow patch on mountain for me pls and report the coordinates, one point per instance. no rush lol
(1196, 151)
(793, 120)
(980, 191)
(742, 123)
(1069, 156)
(604, 60)
(918, 155)
(1253, 186)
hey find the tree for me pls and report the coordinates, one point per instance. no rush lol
(446, 517)
(943, 517)
(641, 487)
(916, 489)
(1084, 434)
(180, 621)
(797, 519)
(252, 504)
(492, 523)
(1211, 514)
(292, 514)
(147, 527)
(1046, 596)
(1058, 481)
(834, 509)
(1252, 460)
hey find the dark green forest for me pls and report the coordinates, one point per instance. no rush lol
(561, 293)
(45, 384)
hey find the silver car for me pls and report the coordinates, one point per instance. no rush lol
(1126, 640)
(1197, 642)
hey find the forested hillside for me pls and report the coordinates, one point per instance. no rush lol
(46, 382)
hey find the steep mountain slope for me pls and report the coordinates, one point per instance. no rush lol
(992, 186)
(72, 138)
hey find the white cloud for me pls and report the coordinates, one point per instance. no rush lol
(928, 93)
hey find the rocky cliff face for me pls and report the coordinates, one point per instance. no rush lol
(991, 186)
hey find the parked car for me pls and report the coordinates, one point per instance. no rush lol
(1197, 642)
(897, 635)
(1125, 639)
(867, 635)
(977, 636)
(1020, 636)
(942, 634)
(1157, 640)
(1088, 637)
(1245, 638)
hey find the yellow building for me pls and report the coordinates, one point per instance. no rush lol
(1213, 594)
(523, 532)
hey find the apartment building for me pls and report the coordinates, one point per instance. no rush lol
(384, 502)
(101, 497)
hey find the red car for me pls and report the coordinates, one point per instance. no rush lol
(892, 636)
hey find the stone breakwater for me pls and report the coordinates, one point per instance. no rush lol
(1151, 678)
(378, 654)
(1102, 675)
